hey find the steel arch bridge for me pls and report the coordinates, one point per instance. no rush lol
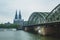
(45, 17)
(45, 23)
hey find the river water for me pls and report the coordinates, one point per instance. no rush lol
(22, 35)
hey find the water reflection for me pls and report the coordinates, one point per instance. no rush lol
(22, 35)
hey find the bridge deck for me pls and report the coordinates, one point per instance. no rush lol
(50, 23)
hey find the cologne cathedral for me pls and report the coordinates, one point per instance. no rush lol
(18, 20)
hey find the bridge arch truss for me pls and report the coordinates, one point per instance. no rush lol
(54, 15)
(37, 17)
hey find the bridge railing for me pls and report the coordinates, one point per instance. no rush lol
(53, 21)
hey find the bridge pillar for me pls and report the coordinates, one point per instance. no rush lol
(36, 28)
(53, 30)
(46, 30)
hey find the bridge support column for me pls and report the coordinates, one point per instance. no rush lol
(52, 30)
(46, 30)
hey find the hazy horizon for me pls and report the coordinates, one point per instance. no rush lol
(8, 8)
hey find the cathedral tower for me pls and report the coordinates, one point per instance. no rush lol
(19, 14)
(18, 20)
(16, 15)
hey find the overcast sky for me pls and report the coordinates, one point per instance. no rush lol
(27, 7)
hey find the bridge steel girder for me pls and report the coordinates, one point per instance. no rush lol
(37, 17)
(54, 15)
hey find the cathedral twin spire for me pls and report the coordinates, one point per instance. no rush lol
(18, 16)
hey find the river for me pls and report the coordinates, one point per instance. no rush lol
(22, 35)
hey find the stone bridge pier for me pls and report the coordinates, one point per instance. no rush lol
(49, 29)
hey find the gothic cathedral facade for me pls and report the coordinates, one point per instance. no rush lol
(18, 20)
